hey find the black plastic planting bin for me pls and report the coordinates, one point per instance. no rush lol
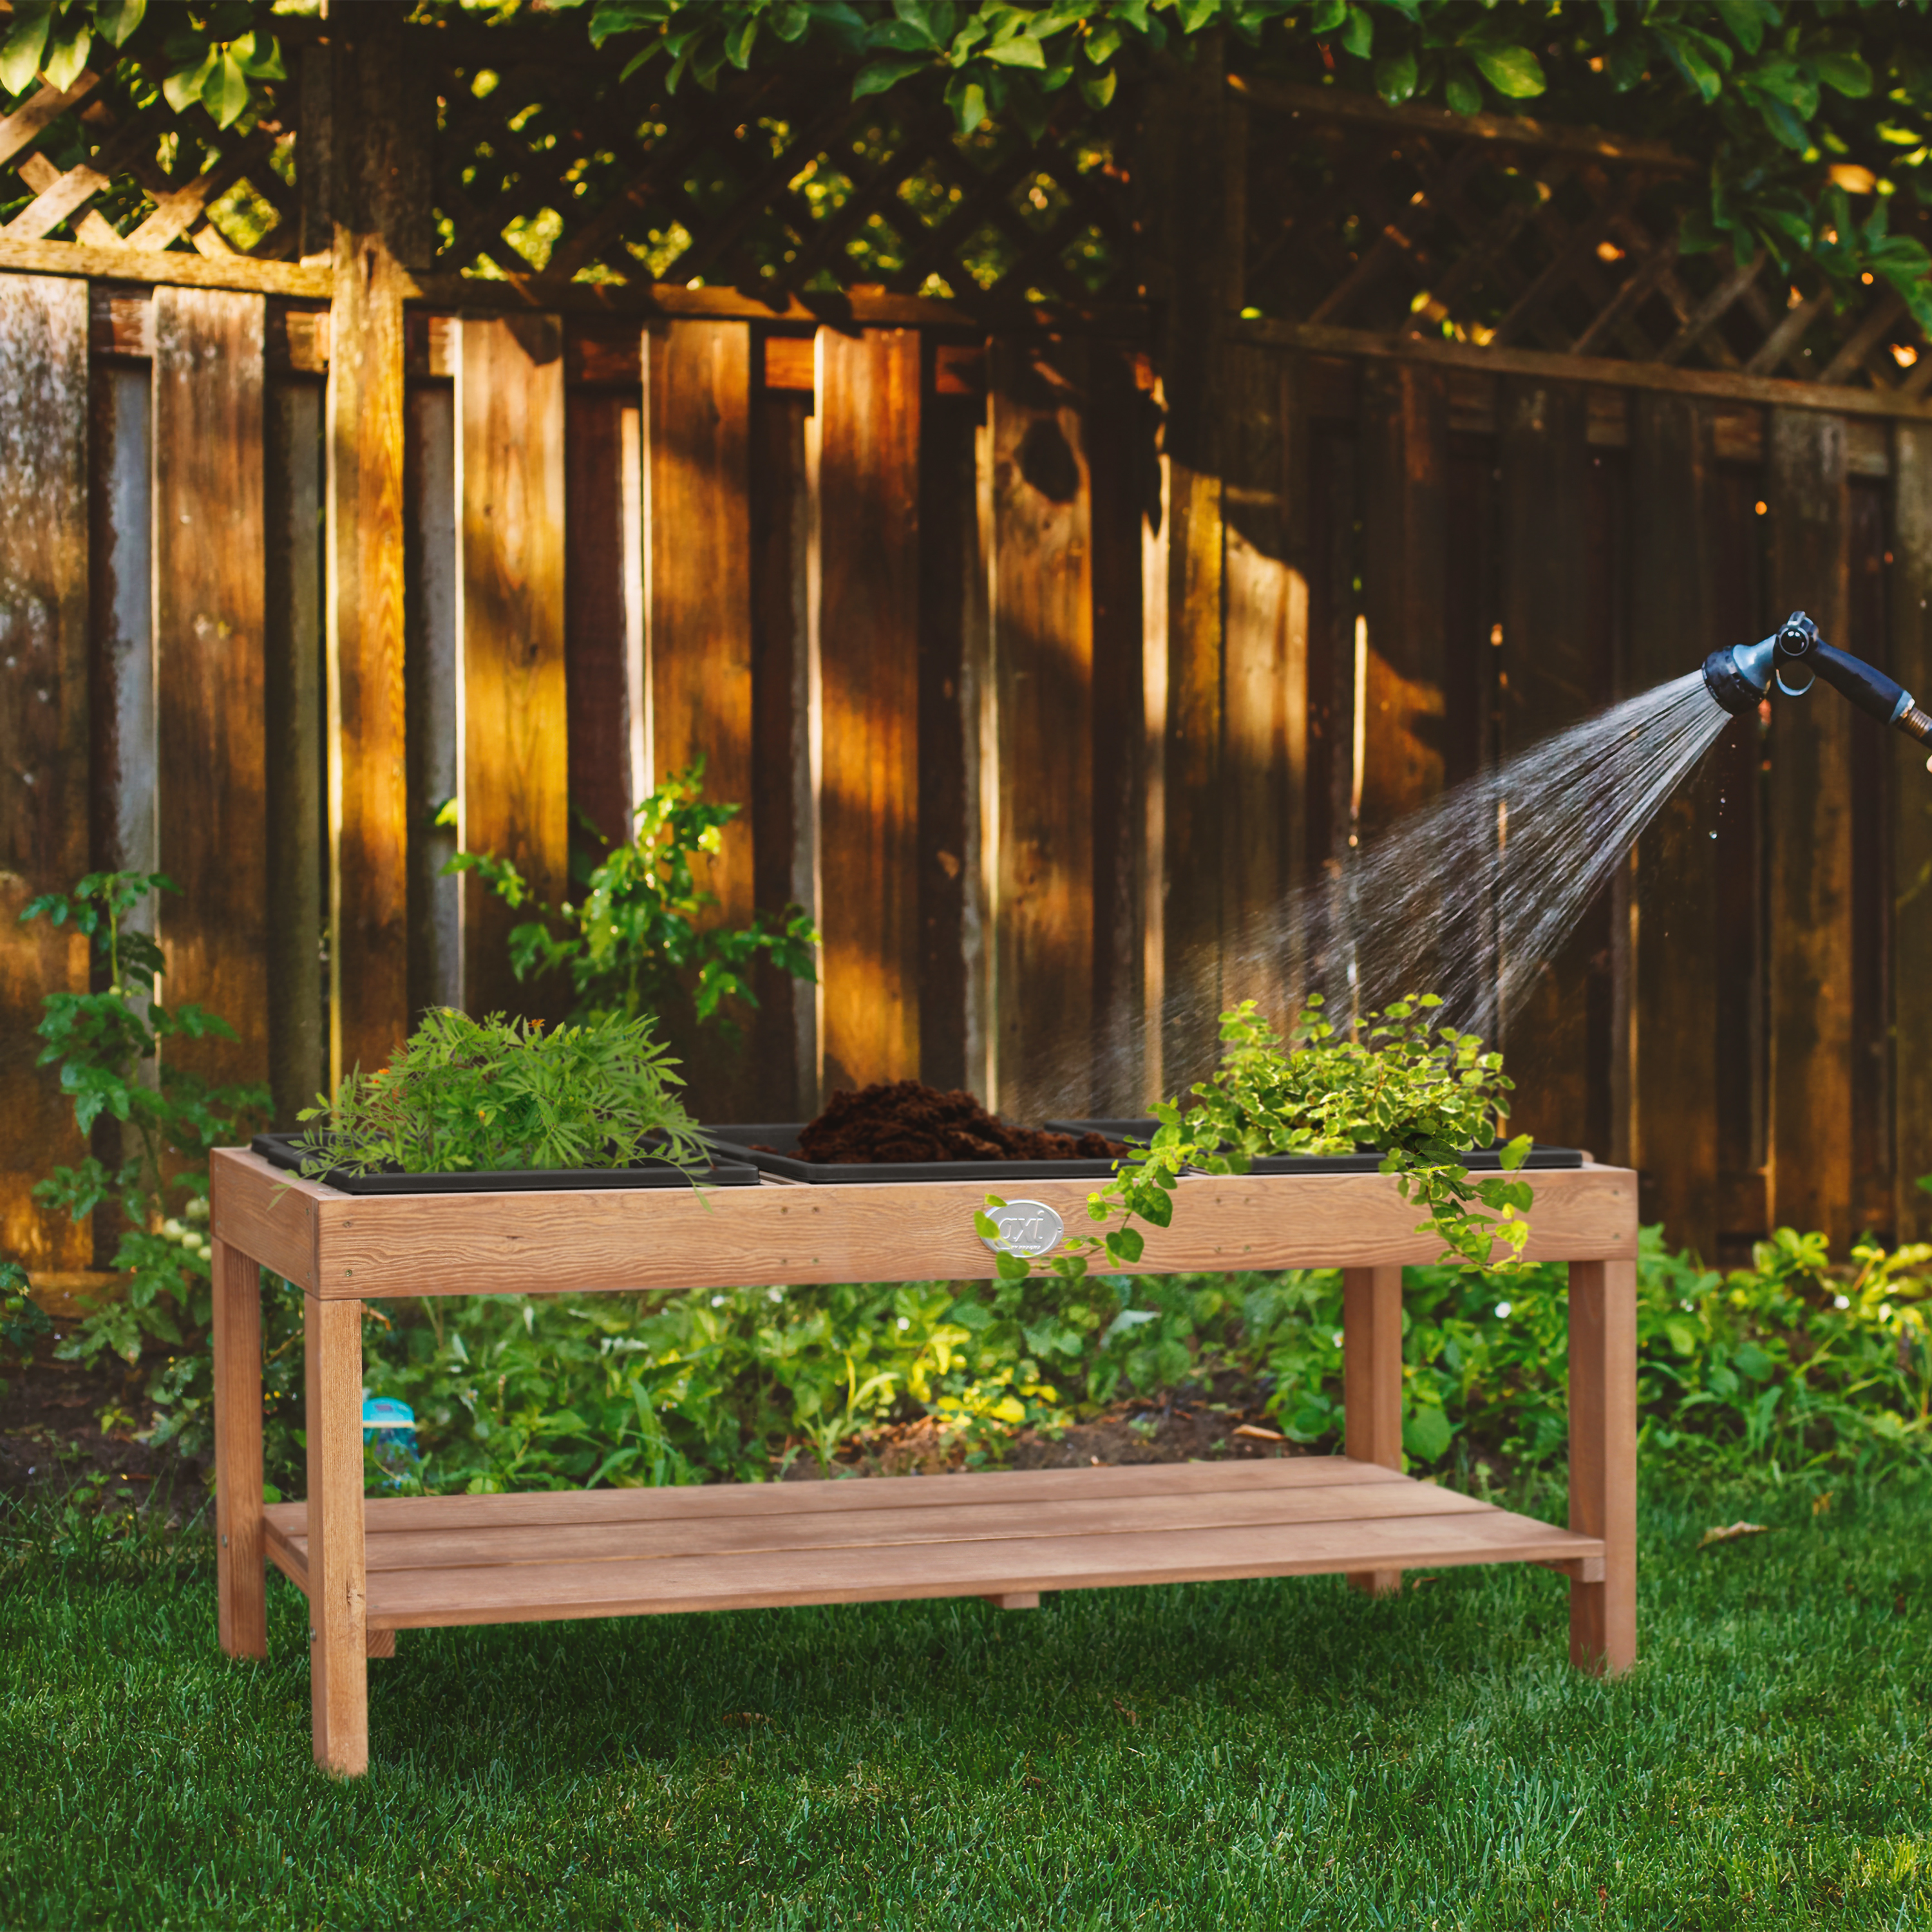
(774, 1147)
(1487, 1161)
(727, 1170)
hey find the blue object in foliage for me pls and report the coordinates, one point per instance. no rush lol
(386, 1421)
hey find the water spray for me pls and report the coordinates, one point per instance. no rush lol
(1794, 656)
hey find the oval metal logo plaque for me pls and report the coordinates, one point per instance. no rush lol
(1027, 1228)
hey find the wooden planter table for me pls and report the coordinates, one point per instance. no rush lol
(372, 1568)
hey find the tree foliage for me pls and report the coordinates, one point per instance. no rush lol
(1812, 118)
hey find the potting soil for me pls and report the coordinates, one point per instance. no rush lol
(906, 1121)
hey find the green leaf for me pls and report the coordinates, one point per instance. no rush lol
(1327, 15)
(1515, 73)
(1846, 73)
(1462, 94)
(968, 103)
(985, 1226)
(226, 96)
(1395, 77)
(118, 18)
(20, 53)
(1745, 21)
(182, 89)
(1692, 62)
(1022, 50)
(1097, 90)
(65, 64)
(1358, 35)
(1426, 1433)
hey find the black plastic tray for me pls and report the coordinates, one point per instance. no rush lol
(281, 1150)
(735, 1141)
(1489, 1160)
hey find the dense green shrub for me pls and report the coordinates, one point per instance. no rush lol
(1788, 1361)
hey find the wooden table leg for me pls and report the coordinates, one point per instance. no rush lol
(1372, 1384)
(241, 1568)
(337, 1584)
(1603, 1459)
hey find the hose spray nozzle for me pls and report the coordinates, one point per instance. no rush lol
(1740, 679)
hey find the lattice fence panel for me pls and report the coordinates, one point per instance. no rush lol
(777, 184)
(109, 163)
(1361, 224)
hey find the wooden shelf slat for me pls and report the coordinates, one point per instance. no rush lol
(486, 1559)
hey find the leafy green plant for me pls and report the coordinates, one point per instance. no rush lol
(465, 1095)
(111, 1045)
(639, 940)
(22, 1321)
(1422, 1097)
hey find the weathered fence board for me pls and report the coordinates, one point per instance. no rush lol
(1674, 1012)
(294, 704)
(210, 624)
(514, 775)
(1810, 831)
(1911, 881)
(1042, 643)
(869, 396)
(1549, 680)
(43, 730)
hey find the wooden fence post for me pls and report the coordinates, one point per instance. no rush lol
(1810, 814)
(1673, 1017)
(44, 733)
(374, 136)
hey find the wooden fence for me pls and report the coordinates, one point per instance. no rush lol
(1038, 637)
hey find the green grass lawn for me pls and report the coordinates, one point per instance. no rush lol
(1268, 1754)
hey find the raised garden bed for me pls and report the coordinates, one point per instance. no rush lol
(773, 1147)
(372, 1568)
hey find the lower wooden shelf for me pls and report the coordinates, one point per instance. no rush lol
(436, 1560)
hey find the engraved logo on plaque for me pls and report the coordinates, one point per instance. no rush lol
(1028, 1228)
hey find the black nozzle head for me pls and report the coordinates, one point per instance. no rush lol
(1724, 678)
(1796, 635)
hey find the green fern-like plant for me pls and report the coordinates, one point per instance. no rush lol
(465, 1096)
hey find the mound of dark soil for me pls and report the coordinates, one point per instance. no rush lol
(906, 1121)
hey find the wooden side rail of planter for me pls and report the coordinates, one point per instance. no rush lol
(372, 1568)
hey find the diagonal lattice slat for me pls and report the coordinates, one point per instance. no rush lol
(1361, 221)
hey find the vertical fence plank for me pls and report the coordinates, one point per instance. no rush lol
(1265, 747)
(514, 774)
(868, 575)
(293, 699)
(780, 756)
(1810, 859)
(1043, 604)
(1867, 632)
(435, 709)
(698, 616)
(948, 561)
(210, 619)
(1550, 678)
(1404, 437)
(1123, 465)
(365, 130)
(43, 731)
(1674, 1015)
(1912, 833)
(596, 658)
(699, 613)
